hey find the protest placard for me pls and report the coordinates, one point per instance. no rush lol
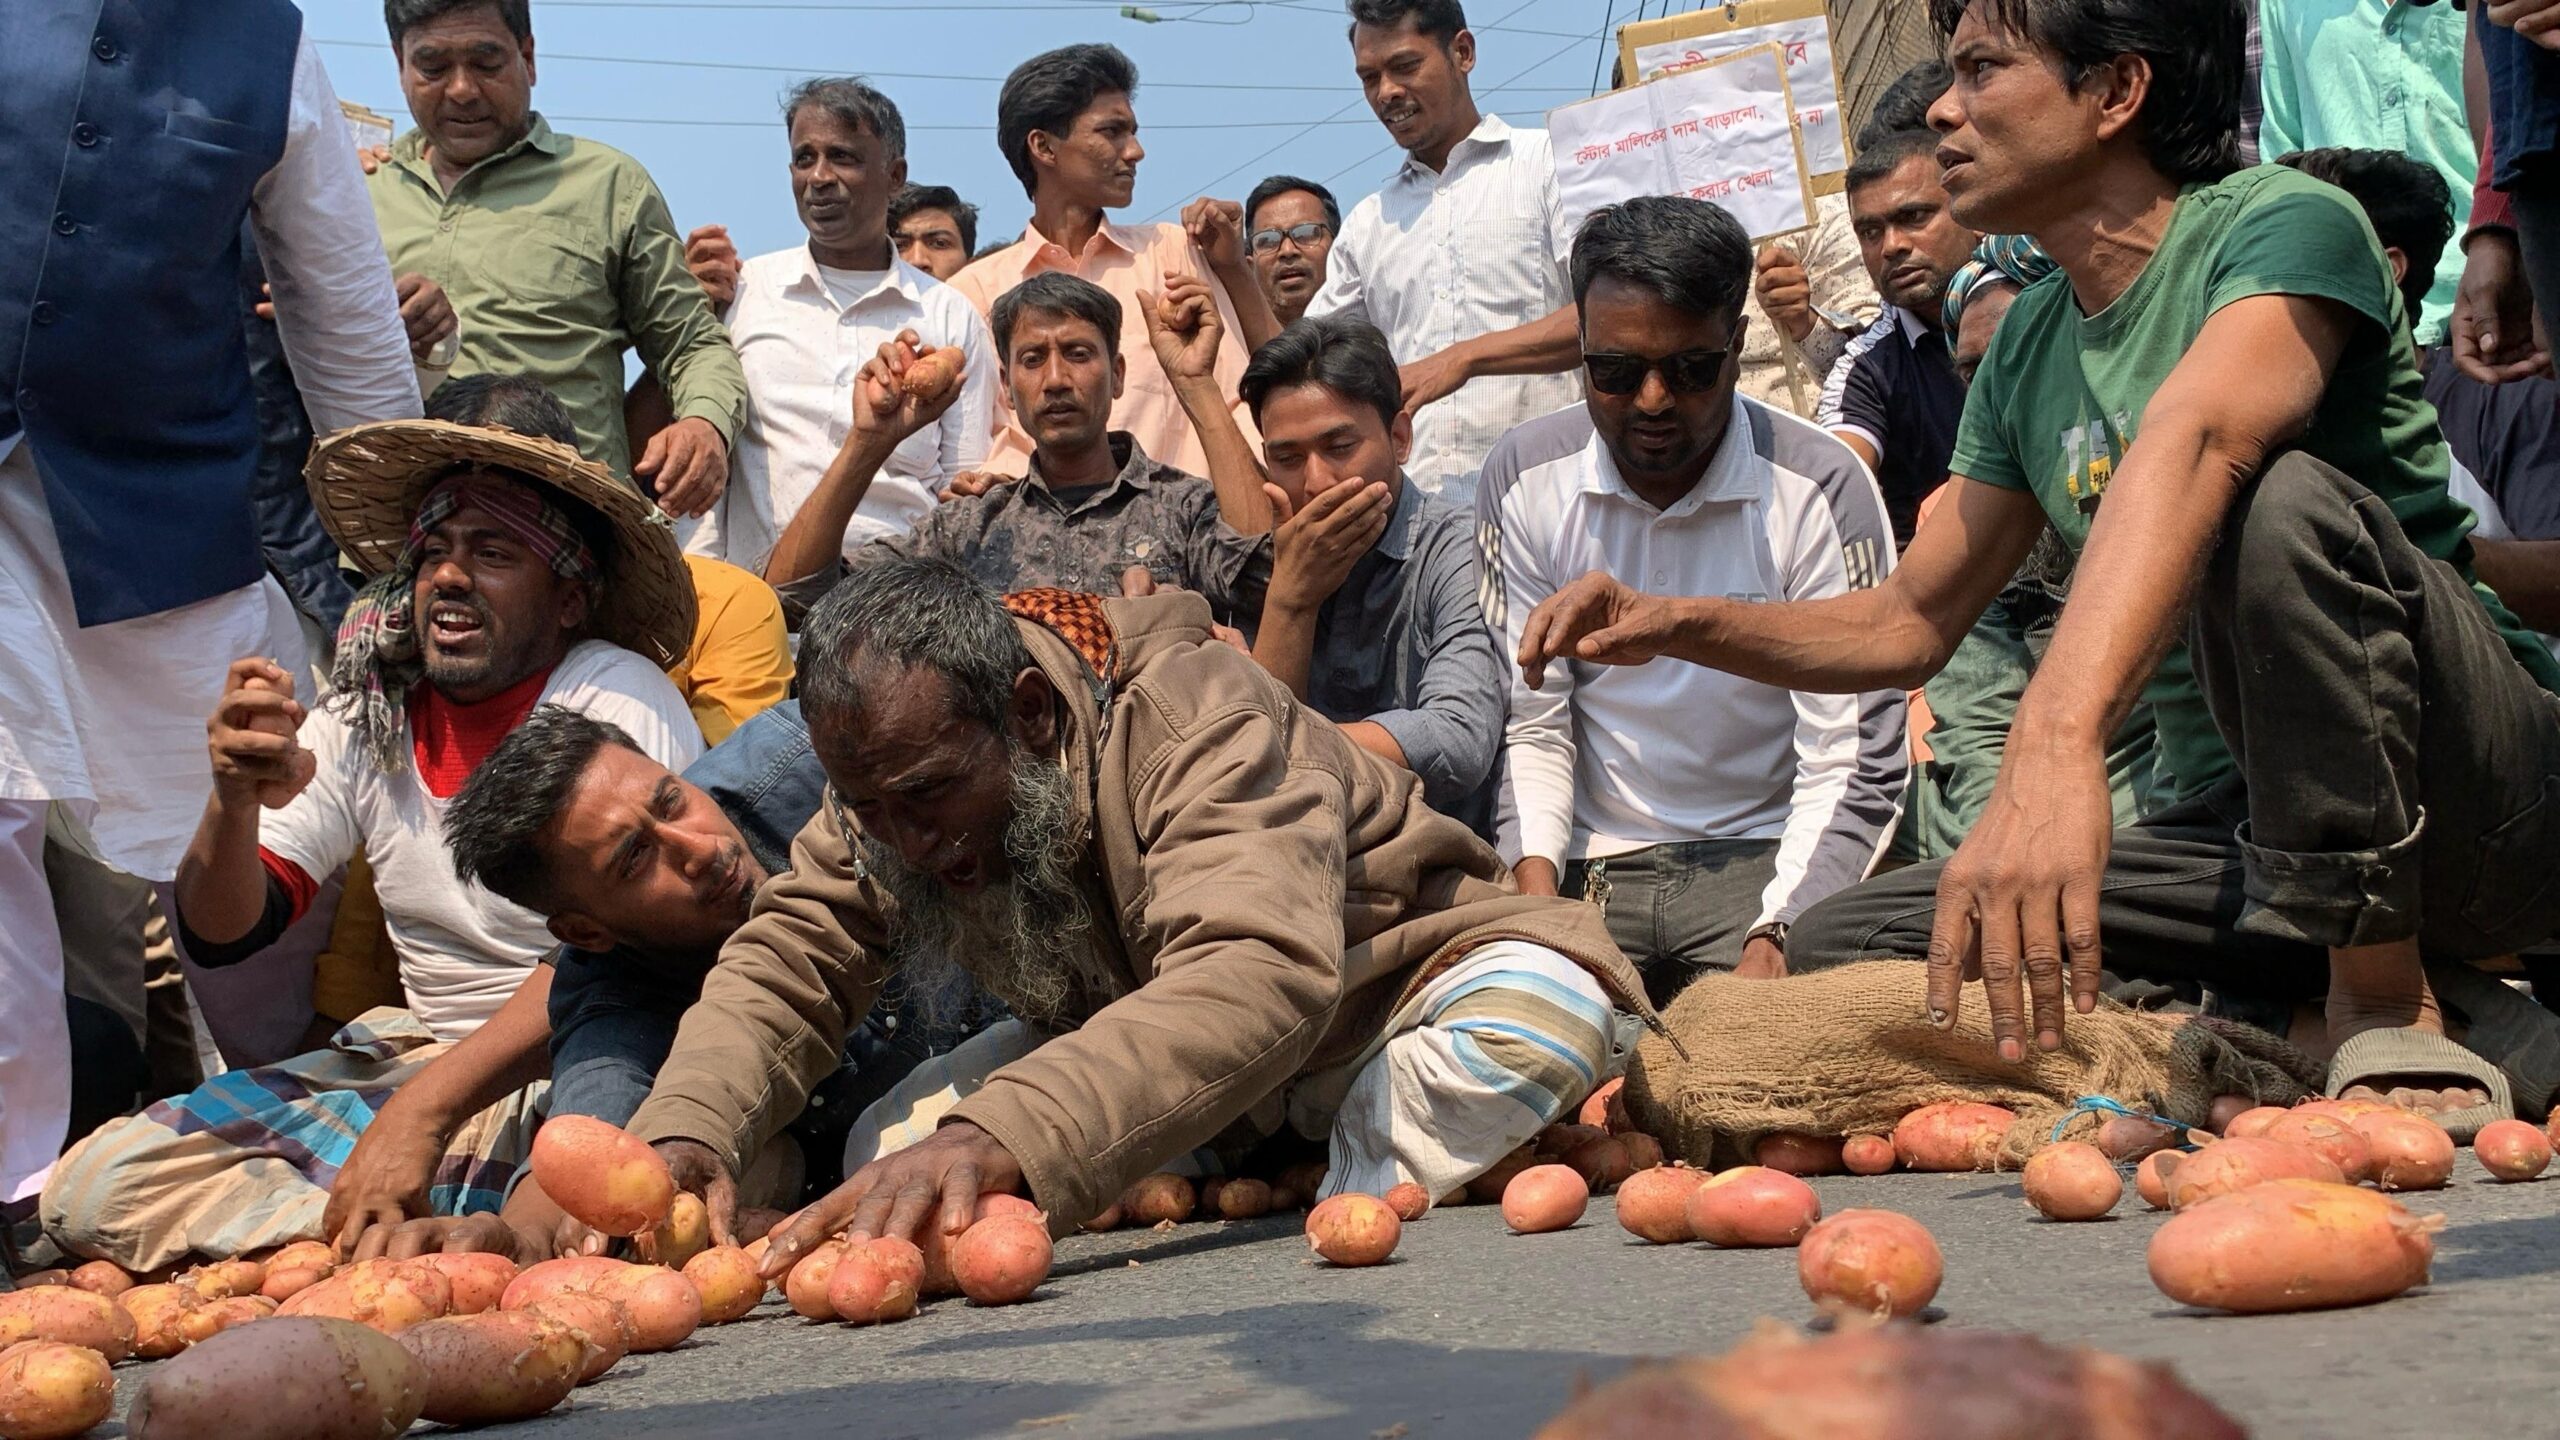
(1722, 131)
(1654, 48)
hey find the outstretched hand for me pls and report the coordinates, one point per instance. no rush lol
(1599, 619)
(938, 1179)
(699, 1169)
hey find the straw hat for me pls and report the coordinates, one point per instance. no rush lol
(368, 482)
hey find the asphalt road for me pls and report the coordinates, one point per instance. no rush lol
(1228, 1330)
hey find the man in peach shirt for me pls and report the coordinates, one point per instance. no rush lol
(1064, 123)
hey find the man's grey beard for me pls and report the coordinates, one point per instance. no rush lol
(1023, 941)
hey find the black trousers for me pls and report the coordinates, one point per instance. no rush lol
(2398, 771)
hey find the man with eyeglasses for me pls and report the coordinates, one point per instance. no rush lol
(1289, 228)
(1702, 811)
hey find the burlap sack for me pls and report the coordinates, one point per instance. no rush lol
(1850, 1051)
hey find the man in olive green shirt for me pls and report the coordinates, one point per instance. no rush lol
(558, 253)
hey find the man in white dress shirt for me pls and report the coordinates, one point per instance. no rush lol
(805, 319)
(130, 572)
(1460, 259)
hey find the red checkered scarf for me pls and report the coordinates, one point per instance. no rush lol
(378, 660)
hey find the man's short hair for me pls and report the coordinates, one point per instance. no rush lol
(1880, 155)
(1344, 355)
(2407, 202)
(1048, 91)
(2191, 119)
(908, 612)
(1690, 254)
(851, 100)
(402, 16)
(1279, 185)
(1905, 103)
(495, 401)
(1056, 293)
(913, 198)
(494, 825)
(1439, 19)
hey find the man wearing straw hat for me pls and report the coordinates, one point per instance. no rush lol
(507, 572)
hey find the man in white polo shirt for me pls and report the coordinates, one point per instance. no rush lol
(1701, 811)
(805, 319)
(1460, 259)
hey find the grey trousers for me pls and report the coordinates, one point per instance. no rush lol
(1681, 909)
(2399, 771)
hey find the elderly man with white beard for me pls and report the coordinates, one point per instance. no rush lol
(1216, 917)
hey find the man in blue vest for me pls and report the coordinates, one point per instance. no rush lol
(130, 571)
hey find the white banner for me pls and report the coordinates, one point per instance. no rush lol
(1720, 131)
(1807, 43)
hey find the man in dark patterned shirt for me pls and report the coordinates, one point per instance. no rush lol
(1093, 509)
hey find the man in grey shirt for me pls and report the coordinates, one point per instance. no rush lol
(1371, 616)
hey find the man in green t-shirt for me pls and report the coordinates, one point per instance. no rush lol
(2363, 745)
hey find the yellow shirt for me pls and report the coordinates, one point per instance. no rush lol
(740, 660)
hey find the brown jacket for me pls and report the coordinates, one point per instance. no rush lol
(1272, 895)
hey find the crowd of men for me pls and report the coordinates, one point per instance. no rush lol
(1291, 681)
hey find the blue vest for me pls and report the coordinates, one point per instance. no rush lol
(134, 131)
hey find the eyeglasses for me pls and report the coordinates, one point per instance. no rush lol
(1690, 372)
(1303, 236)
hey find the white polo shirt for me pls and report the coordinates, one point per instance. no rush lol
(1434, 258)
(1608, 759)
(802, 332)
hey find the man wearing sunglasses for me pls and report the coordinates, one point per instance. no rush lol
(1702, 811)
(1289, 228)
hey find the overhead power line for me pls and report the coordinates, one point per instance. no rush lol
(775, 124)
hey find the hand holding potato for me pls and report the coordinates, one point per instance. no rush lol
(699, 1170)
(904, 388)
(938, 1179)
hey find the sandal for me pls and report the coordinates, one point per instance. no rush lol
(2374, 1057)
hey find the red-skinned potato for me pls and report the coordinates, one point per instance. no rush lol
(2511, 1149)
(2072, 1181)
(727, 1280)
(2409, 1152)
(1867, 1154)
(289, 1378)
(546, 1278)
(2331, 1139)
(1895, 1382)
(1643, 1151)
(477, 1281)
(1208, 1189)
(2228, 1165)
(44, 1279)
(2151, 1177)
(931, 373)
(389, 1295)
(1112, 1216)
(52, 1391)
(603, 1330)
(156, 1311)
(1353, 1230)
(1752, 1206)
(66, 1316)
(1002, 1259)
(685, 1233)
(1952, 1135)
(1557, 1141)
(807, 1285)
(102, 1277)
(507, 1366)
(1870, 1262)
(1157, 1198)
(2130, 1137)
(2252, 1123)
(215, 1316)
(284, 1284)
(873, 1282)
(1790, 1153)
(1654, 1204)
(1596, 1106)
(1245, 1199)
(1304, 1179)
(664, 1307)
(1487, 1188)
(1604, 1164)
(302, 1255)
(1410, 1201)
(2225, 1109)
(936, 1245)
(2291, 1245)
(603, 1175)
(1544, 1198)
(224, 1279)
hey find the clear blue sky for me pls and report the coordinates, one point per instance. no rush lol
(1216, 89)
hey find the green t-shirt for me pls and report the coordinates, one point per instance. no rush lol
(2059, 397)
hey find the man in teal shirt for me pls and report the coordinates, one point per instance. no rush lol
(2214, 404)
(2373, 75)
(558, 253)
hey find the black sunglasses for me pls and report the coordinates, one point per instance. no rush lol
(1302, 236)
(1688, 373)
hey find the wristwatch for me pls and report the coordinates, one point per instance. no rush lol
(1774, 931)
